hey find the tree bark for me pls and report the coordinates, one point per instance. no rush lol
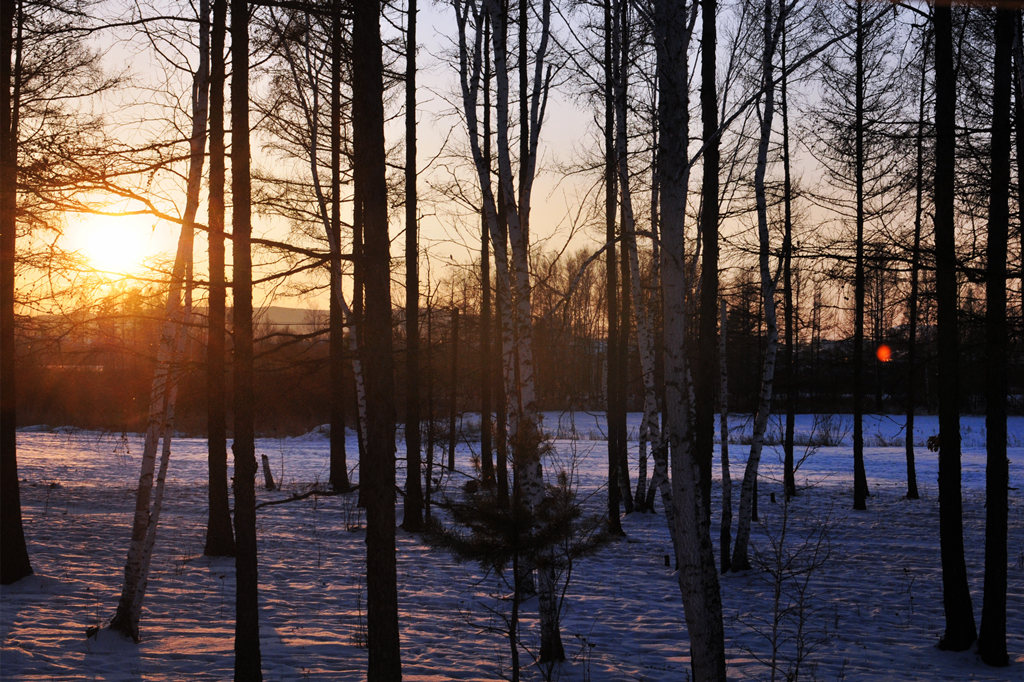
(860, 485)
(992, 637)
(453, 388)
(486, 369)
(747, 513)
(704, 378)
(698, 579)
(611, 278)
(378, 469)
(960, 629)
(170, 357)
(247, 624)
(413, 508)
(915, 270)
(14, 561)
(338, 459)
(788, 474)
(725, 531)
(524, 432)
(220, 539)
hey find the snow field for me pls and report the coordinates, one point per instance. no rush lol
(872, 609)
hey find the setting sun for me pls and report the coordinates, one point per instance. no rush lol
(112, 245)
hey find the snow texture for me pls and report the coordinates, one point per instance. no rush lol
(872, 610)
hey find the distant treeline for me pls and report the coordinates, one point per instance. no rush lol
(96, 373)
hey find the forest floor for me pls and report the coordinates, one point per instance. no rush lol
(871, 608)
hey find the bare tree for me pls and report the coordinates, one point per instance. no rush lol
(220, 541)
(772, 28)
(698, 577)
(170, 357)
(378, 464)
(992, 638)
(14, 561)
(956, 596)
(247, 617)
(413, 509)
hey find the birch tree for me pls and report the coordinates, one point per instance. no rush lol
(650, 429)
(698, 578)
(772, 26)
(513, 281)
(170, 356)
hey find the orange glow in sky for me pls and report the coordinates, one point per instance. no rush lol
(115, 246)
(883, 353)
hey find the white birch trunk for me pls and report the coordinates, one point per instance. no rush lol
(176, 371)
(512, 284)
(697, 574)
(740, 558)
(170, 350)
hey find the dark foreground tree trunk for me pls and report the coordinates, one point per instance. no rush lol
(220, 539)
(14, 563)
(413, 508)
(707, 348)
(336, 359)
(860, 482)
(992, 638)
(960, 630)
(247, 620)
(915, 270)
(378, 467)
(611, 283)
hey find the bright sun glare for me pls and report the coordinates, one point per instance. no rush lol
(112, 245)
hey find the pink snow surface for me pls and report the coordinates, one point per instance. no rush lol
(872, 610)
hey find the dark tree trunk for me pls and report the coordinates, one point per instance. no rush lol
(707, 348)
(431, 430)
(915, 270)
(486, 366)
(860, 482)
(220, 539)
(247, 624)
(413, 509)
(611, 274)
(339, 462)
(992, 638)
(378, 467)
(358, 268)
(453, 390)
(725, 529)
(14, 563)
(622, 377)
(960, 630)
(788, 474)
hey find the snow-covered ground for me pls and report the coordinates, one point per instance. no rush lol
(872, 609)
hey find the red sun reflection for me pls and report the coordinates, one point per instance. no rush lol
(883, 353)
